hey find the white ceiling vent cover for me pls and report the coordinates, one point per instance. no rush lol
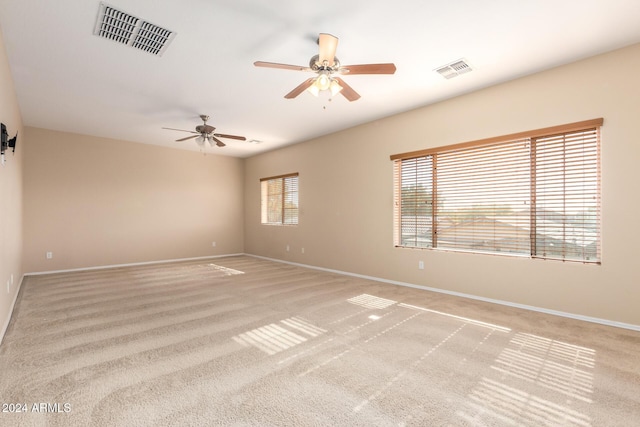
(454, 69)
(123, 28)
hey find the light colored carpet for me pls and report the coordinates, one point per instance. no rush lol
(243, 341)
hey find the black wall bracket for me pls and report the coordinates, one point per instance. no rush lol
(4, 138)
(5, 142)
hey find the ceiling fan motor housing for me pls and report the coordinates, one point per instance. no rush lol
(315, 65)
(206, 129)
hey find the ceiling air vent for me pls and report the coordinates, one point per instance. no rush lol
(121, 27)
(454, 69)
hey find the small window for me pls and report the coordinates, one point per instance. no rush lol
(279, 202)
(534, 193)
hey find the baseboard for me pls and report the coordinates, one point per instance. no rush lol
(133, 264)
(7, 321)
(600, 321)
(597, 320)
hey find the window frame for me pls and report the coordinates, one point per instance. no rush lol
(283, 196)
(433, 196)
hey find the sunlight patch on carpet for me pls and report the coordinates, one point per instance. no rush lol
(274, 338)
(464, 319)
(555, 365)
(225, 270)
(534, 376)
(371, 301)
(303, 326)
(511, 405)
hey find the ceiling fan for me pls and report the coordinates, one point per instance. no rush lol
(326, 65)
(204, 132)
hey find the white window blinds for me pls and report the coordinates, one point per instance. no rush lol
(566, 193)
(483, 195)
(535, 193)
(279, 200)
(414, 199)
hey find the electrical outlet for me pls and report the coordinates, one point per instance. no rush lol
(49, 255)
(302, 250)
(287, 248)
(213, 244)
(421, 265)
(12, 278)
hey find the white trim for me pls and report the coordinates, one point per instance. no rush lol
(13, 304)
(133, 264)
(598, 320)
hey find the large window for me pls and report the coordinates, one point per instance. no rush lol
(534, 193)
(280, 199)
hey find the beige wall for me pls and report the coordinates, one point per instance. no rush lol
(346, 192)
(95, 201)
(10, 195)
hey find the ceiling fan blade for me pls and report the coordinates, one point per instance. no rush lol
(347, 91)
(328, 45)
(300, 88)
(368, 69)
(181, 130)
(222, 135)
(218, 142)
(281, 66)
(189, 137)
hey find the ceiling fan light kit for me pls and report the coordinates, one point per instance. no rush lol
(323, 82)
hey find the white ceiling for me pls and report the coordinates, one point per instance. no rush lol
(68, 79)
